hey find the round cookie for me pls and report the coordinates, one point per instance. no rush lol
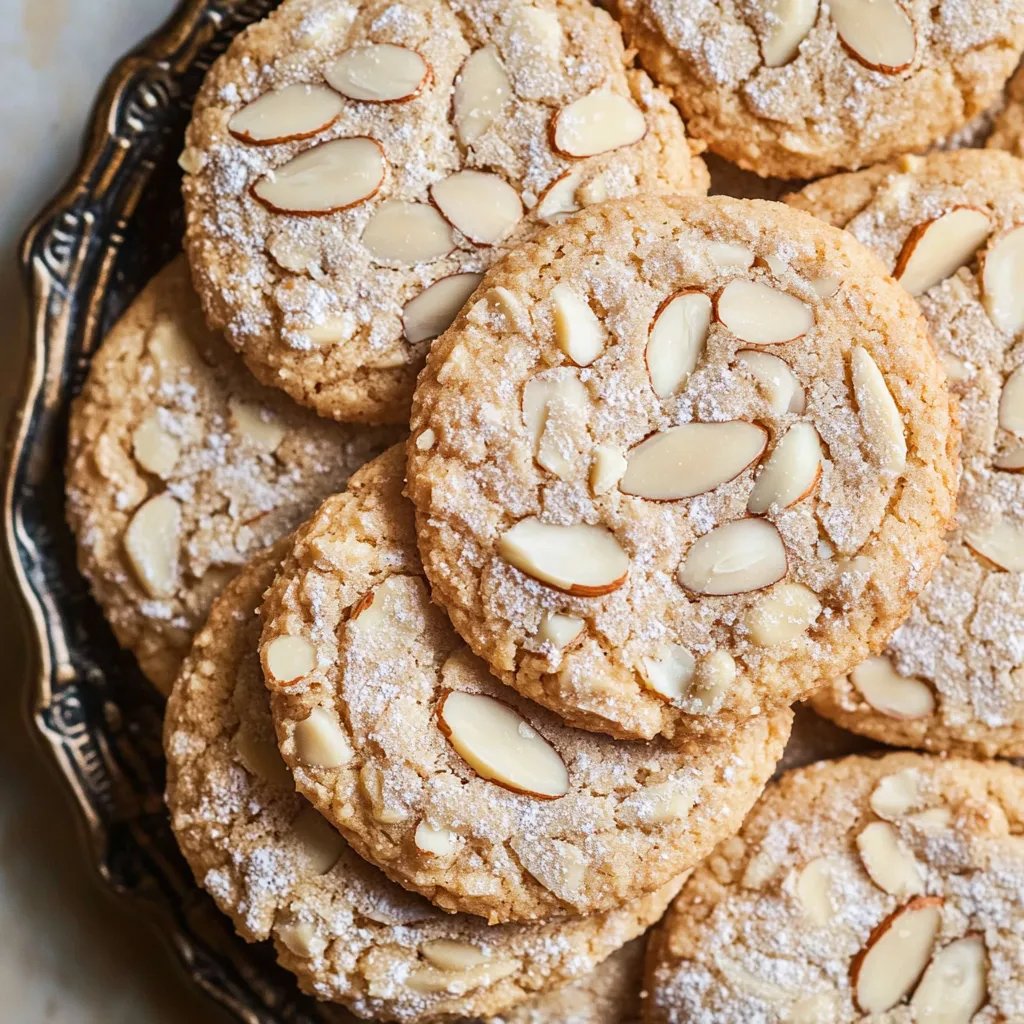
(180, 466)
(646, 508)
(797, 89)
(863, 889)
(1008, 132)
(453, 784)
(332, 258)
(279, 870)
(951, 226)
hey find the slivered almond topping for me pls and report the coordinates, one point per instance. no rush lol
(320, 842)
(321, 742)
(379, 73)
(938, 248)
(1001, 275)
(257, 424)
(697, 457)
(450, 955)
(429, 980)
(582, 560)
(814, 890)
(383, 806)
(558, 200)
(715, 674)
(955, 985)
(897, 794)
(555, 408)
(669, 673)
(779, 382)
(261, 756)
(676, 341)
(578, 331)
(596, 123)
(789, 21)
(791, 472)
(761, 315)
(285, 115)
(289, 658)
(325, 179)
(434, 310)
(408, 233)
(154, 449)
(892, 694)
(783, 615)
(879, 415)
(735, 558)
(482, 89)
(887, 860)
(896, 955)
(484, 207)
(501, 746)
(1002, 545)
(151, 543)
(1011, 461)
(559, 630)
(606, 469)
(876, 33)
(439, 842)
(1011, 402)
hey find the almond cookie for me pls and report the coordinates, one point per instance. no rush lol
(453, 784)
(279, 870)
(680, 460)
(353, 168)
(798, 88)
(180, 466)
(951, 228)
(1008, 132)
(886, 890)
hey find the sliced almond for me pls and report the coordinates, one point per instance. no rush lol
(155, 450)
(938, 248)
(321, 742)
(1011, 461)
(825, 287)
(578, 331)
(791, 472)
(286, 115)
(773, 374)
(484, 207)
(429, 980)
(931, 819)
(537, 30)
(558, 200)
(789, 22)
(606, 469)
(678, 335)
(1002, 544)
(434, 310)
(597, 123)
(897, 794)
(379, 73)
(501, 746)
(879, 416)
(1011, 402)
(257, 424)
(656, 804)
(877, 33)
(559, 630)
(482, 89)
(735, 558)
(449, 955)
(554, 404)
(326, 179)
(300, 938)
(892, 694)
(730, 256)
(1001, 274)
(152, 541)
(715, 674)
(697, 457)
(261, 757)
(888, 862)
(289, 658)
(439, 842)
(955, 985)
(896, 955)
(582, 560)
(426, 440)
(407, 233)
(761, 315)
(814, 890)
(320, 844)
(670, 673)
(783, 615)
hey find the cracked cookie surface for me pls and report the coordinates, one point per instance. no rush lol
(679, 460)
(453, 784)
(181, 466)
(280, 871)
(952, 677)
(885, 889)
(352, 168)
(798, 89)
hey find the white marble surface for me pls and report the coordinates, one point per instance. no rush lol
(69, 952)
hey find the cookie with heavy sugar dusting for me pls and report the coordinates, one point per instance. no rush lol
(453, 784)
(798, 88)
(680, 460)
(181, 466)
(951, 227)
(352, 168)
(863, 889)
(280, 871)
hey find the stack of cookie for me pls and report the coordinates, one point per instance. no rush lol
(470, 710)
